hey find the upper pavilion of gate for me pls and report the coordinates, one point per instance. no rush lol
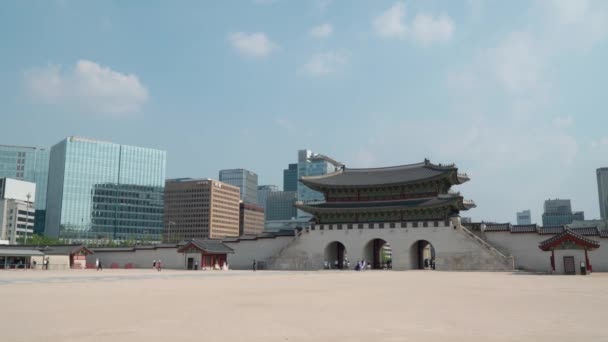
(405, 192)
(408, 178)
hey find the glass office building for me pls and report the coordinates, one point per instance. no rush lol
(29, 164)
(246, 180)
(104, 191)
(307, 167)
(558, 212)
(263, 191)
(290, 178)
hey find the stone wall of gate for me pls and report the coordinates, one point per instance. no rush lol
(454, 248)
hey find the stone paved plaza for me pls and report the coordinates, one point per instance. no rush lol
(144, 305)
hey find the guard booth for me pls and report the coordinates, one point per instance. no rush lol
(16, 258)
(207, 254)
(569, 252)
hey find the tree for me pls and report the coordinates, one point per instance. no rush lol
(40, 240)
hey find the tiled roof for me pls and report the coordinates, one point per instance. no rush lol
(587, 231)
(550, 230)
(568, 235)
(498, 227)
(51, 250)
(348, 177)
(454, 200)
(212, 246)
(524, 228)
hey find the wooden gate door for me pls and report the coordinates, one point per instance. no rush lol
(569, 265)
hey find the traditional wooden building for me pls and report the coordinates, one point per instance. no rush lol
(415, 192)
(572, 245)
(211, 254)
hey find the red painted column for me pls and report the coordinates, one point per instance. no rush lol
(553, 260)
(587, 261)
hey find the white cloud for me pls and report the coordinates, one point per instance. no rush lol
(321, 31)
(424, 29)
(322, 64)
(88, 86)
(390, 24)
(255, 44)
(428, 30)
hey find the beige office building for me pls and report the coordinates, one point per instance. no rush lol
(200, 208)
(252, 219)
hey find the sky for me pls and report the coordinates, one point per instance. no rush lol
(512, 92)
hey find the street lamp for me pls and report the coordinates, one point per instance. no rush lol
(169, 232)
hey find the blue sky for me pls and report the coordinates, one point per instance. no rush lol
(513, 92)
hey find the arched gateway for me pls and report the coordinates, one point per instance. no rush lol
(335, 255)
(422, 255)
(377, 253)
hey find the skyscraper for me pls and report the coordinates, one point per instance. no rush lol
(602, 191)
(102, 190)
(200, 208)
(290, 178)
(308, 167)
(558, 212)
(17, 202)
(246, 180)
(280, 206)
(263, 191)
(29, 164)
(524, 217)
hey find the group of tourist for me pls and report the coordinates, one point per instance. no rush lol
(157, 265)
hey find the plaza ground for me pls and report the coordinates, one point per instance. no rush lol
(145, 305)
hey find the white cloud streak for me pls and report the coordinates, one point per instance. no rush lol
(390, 24)
(425, 29)
(88, 86)
(255, 44)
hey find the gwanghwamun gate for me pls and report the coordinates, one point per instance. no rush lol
(411, 208)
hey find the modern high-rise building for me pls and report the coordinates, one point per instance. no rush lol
(290, 178)
(263, 191)
(280, 206)
(251, 221)
(602, 191)
(246, 180)
(524, 217)
(30, 164)
(17, 203)
(99, 190)
(200, 208)
(310, 166)
(558, 212)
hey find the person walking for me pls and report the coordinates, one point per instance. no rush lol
(33, 264)
(254, 265)
(158, 265)
(100, 267)
(154, 264)
(97, 264)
